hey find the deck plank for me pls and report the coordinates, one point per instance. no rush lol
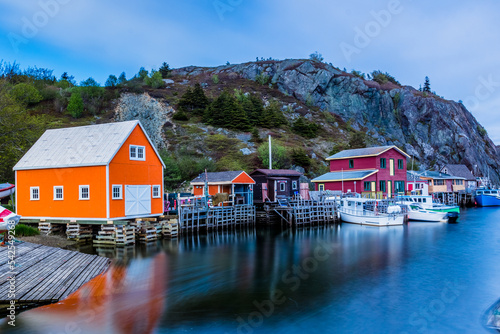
(46, 274)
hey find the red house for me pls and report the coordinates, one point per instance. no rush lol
(375, 171)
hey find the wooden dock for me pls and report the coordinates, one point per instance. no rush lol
(45, 275)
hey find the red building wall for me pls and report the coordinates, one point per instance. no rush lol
(364, 163)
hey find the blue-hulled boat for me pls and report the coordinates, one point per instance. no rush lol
(487, 197)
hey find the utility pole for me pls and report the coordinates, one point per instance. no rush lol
(270, 154)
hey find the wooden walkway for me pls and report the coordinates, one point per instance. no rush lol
(46, 274)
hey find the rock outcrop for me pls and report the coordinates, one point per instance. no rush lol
(433, 130)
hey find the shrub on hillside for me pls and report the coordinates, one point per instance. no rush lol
(280, 156)
(75, 105)
(194, 100)
(155, 80)
(383, 78)
(305, 128)
(25, 93)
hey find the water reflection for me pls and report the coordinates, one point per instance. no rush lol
(320, 279)
(126, 299)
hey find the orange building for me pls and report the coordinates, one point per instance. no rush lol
(99, 172)
(237, 183)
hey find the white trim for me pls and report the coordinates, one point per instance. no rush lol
(137, 148)
(94, 219)
(153, 191)
(80, 193)
(31, 194)
(62, 192)
(162, 193)
(107, 190)
(113, 192)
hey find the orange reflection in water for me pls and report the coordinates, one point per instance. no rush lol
(125, 299)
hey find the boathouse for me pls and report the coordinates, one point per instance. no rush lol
(271, 183)
(237, 184)
(443, 183)
(373, 171)
(91, 173)
(461, 171)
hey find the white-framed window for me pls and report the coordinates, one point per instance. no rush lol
(137, 152)
(321, 187)
(35, 193)
(156, 191)
(282, 186)
(84, 193)
(294, 185)
(116, 191)
(58, 193)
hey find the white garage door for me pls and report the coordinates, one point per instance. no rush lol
(137, 200)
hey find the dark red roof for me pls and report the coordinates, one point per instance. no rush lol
(277, 172)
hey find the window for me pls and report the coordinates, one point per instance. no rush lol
(58, 193)
(34, 193)
(382, 186)
(84, 192)
(400, 164)
(294, 185)
(156, 191)
(383, 163)
(438, 182)
(321, 187)
(459, 182)
(351, 163)
(391, 167)
(137, 152)
(282, 186)
(367, 186)
(117, 191)
(399, 186)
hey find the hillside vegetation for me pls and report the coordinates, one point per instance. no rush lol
(219, 118)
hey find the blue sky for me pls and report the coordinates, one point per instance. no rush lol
(455, 43)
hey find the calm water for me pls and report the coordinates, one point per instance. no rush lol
(420, 278)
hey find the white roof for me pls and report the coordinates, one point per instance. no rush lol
(92, 145)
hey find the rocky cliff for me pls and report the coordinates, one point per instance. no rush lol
(433, 130)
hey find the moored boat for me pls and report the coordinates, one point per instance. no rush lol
(487, 197)
(6, 189)
(417, 213)
(365, 211)
(426, 202)
(8, 220)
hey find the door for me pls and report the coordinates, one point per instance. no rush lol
(137, 200)
(391, 167)
(374, 187)
(449, 186)
(282, 188)
(389, 189)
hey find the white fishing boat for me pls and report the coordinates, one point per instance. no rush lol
(427, 203)
(6, 189)
(417, 213)
(365, 211)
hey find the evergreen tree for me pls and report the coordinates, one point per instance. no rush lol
(122, 79)
(194, 100)
(226, 112)
(112, 81)
(357, 140)
(272, 116)
(427, 85)
(165, 70)
(305, 128)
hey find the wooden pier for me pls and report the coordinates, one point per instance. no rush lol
(196, 217)
(299, 212)
(45, 275)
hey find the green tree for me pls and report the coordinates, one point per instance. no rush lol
(75, 105)
(25, 93)
(427, 85)
(165, 70)
(154, 80)
(383, 78)
(194, 100)
(19, 131)
(112, 81)
(357, 140)
(300, 158)
(316, 56)
(122, 79)
(143, 73)
(305, 128)
(225, 111)
(272, 116)
(280, 156)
